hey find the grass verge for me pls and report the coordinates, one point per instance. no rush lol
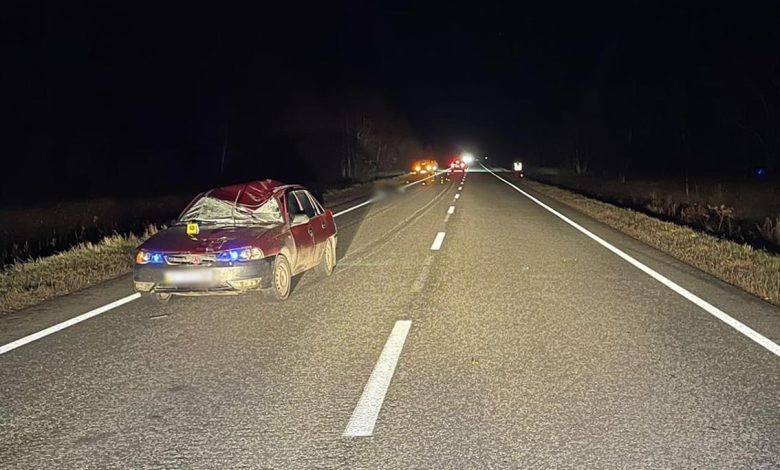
(755, 271)
(27, 283)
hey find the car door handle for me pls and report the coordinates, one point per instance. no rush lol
(311, 232)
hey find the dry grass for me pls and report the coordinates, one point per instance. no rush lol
(23, 284)
(28, 282)
(755, 271)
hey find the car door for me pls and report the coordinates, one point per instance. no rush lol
(318, 224)
(302, 233)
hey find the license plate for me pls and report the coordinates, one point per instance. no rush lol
(189, 276)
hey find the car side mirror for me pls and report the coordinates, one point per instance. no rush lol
(299, 219)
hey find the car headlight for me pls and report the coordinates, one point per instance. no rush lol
(149, 257)
(249, 253)
(417, 168)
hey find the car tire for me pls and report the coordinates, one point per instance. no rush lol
(281, 279)
(328, 261)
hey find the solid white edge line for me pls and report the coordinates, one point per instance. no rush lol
(67, 323)
(451, 210)
(706, 306)
(346, 211)
(85, 316)
(438, 241)
(364, 417)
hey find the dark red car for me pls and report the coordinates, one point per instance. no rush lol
(239, 238)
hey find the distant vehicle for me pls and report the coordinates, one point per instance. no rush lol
(239, 238)
(425, 167)
(518, 169)
(425, 170)
(457, 165)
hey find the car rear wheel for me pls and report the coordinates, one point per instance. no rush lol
(281, 281)
(328, 261)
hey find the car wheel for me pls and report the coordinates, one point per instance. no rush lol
(281, 281)
(162, 297)
(328, 261)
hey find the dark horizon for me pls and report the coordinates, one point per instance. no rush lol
(106, 100)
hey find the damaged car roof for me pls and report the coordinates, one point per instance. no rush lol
(251, 195)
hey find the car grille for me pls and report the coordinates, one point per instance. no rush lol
(190, 259)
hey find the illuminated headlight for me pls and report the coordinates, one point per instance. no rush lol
(428, 168)
(417, 168)
(467, 157)
(241, 254)
(148, 257)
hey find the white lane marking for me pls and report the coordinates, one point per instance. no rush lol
(364, 203)
(419, 283)
(457, 196)
(364, 417)
(67, 323)
(708, 307)
(451, 210)
(85, 316)
(346, 211)
(446, 218)
(438, 241)
(460, 188)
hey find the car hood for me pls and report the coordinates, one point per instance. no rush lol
(209, 240)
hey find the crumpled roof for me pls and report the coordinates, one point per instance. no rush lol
(251, 195)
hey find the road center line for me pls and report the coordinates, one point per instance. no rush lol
(67, 323)
(438, 241)
(419, 283)
(706, 306)
(363, 419)
(451, 210)
(457, 196)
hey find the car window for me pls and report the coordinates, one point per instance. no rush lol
(308, 208)
(293, 206)
(314, 202)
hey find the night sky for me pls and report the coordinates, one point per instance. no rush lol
(131, 98)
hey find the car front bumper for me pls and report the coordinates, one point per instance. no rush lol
(200, 280)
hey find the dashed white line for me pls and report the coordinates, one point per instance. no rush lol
(363, 419)
(706, 306)
(419, 283)
(457, 196)
(451, 210)
(436, 246)
(67, 323)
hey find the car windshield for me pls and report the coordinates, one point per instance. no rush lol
(208, 210)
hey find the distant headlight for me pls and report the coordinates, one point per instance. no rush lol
(241, 254)
(417, 168)
(148, 257)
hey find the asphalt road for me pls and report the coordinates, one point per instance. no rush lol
(529, 345)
